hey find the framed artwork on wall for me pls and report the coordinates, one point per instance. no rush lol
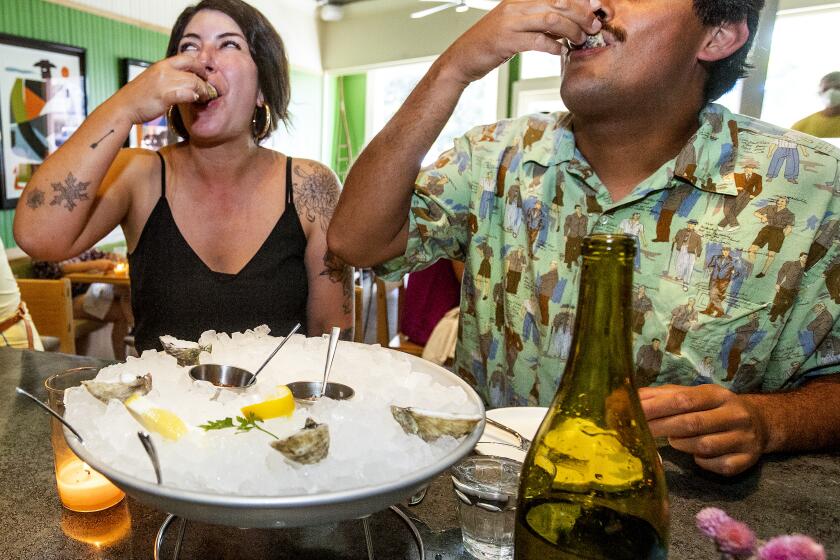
(151, 135)
(42, 102)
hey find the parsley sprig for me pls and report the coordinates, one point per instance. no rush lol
(243, 424)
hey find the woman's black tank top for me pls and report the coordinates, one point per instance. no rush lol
(173, 292)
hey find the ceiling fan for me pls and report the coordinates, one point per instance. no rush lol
(459, 5)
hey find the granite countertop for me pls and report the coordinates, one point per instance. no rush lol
(783, 494)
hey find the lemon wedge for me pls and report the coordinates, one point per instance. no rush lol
(154, 418)
(282, 403)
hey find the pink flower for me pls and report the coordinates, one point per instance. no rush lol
(791, 547)
(710, 519)
(735, 538)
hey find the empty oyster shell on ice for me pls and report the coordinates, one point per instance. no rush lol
(309, 445)
(185, 351)
(121, 390)
(431, 424)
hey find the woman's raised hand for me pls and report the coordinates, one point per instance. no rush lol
(177, 79)
(516, 26)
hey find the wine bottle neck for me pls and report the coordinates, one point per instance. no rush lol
(602, 336)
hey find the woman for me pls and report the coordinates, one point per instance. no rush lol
(222, 234)
(16, 327)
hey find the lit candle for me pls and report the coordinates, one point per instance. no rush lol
(83, 489)
(100, 529)
(121, 269)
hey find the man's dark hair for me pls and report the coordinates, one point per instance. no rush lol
(724, 73)
(266, 49)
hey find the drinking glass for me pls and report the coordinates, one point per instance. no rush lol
(486, 487)
(80, 488)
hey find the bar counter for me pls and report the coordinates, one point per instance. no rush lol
(783, 494)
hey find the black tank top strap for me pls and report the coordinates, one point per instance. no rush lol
(162, 175)
(290, 197)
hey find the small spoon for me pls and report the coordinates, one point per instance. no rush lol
(334, 334)
(151, 451)
(51, 411)
(279, 346)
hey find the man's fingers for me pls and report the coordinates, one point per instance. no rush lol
(691, 424)
(710, 445)
(727, 465)
(688, 399)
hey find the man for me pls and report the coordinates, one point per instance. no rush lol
(546, 285)
(689, 246)
(635, 229)
(825, 123)
(721, 271)
(574, 230)
(827, 234)
(642, 307)
(648, 363)
(787, 286)
(748, 185)
(743, 335)
(634, 105)
(779, 222)
(683, 319)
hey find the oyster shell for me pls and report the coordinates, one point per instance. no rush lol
(430, 424)
(309, 445)
(105, 391)
(184, 351)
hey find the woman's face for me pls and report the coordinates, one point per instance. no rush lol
(219, 45)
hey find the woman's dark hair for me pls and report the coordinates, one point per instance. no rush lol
(266, 49)
(724, 73)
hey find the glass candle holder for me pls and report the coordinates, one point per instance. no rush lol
(80, 488)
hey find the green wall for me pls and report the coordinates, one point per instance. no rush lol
(106, 41)
(355, 92)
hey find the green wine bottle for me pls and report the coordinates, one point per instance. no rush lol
(592, 485)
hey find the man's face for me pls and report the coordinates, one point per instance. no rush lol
(781, 203)
(649, 43)
(725, 252)
(803, 259)
(655, 345)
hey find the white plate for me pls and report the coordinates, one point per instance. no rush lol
(523, 419)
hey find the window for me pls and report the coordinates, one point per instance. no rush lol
(794, 73)
(388, 88)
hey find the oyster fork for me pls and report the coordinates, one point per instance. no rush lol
(524, 443)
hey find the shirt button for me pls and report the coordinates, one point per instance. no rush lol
(603, 219)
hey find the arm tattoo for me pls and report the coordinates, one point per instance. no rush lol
(70, 192)
(317, 193)
(337, 271)
(95, 144)
(35, 198)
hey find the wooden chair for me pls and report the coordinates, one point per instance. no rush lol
(50, 304)
(383, 326)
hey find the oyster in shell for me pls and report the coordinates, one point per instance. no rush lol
(184, 351)
(310, 445)
(120, 390)
(431, 424)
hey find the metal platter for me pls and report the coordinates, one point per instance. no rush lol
(292, 511)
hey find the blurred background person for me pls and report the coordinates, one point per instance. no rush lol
(825, 123)
(16, 326)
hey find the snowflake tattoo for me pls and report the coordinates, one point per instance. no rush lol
(69, 192)
(35, 199)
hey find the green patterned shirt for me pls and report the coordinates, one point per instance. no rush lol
(737, 275)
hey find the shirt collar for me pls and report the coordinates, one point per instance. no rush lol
(712, 145)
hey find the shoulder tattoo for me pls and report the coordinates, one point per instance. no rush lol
(316, 193)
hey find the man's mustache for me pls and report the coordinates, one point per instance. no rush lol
(618, 33)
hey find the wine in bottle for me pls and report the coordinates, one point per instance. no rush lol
(592, 485)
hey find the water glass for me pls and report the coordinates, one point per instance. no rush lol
(486, 488)
(80, 488)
